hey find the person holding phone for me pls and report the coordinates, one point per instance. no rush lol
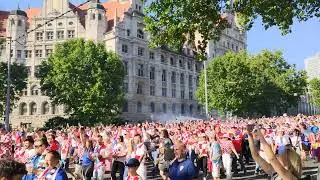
(288, 168)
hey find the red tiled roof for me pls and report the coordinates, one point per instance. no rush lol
(3, 23)
(113, 6)
(110, 6)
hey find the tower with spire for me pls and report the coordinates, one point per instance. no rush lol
(96, 22)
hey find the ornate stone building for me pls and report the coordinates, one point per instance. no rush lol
(158, 81)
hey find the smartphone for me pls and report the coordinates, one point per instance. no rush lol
(250, 127)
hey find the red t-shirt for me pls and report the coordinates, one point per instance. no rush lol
(54, 145)
(237, 142)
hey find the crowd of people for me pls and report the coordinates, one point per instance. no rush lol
(178, 150)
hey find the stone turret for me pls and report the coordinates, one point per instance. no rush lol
(96, 21)
(16, 29)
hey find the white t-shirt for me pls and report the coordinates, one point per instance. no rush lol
(139, 152)
(296, 141)
(122, 149)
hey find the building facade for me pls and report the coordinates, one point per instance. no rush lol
(158, 81)
(312, 66)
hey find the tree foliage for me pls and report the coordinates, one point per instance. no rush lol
(175, 22)
(315, 90)
(248, 85)
(86, 78)
(18, 76)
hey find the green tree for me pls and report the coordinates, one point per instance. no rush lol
(314, 85)
(86, 78)
(18, 76)
(174, 22)
(249, 85)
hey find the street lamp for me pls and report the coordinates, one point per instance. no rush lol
(205, 87)
(7, 113)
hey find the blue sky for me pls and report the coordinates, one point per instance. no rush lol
(303, 42)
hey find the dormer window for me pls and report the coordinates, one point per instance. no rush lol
(140, 34)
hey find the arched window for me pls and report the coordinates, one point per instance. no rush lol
(140, 34)
(34, 90)
(24, 92)
(191, 109)
(125, 107)
(54, 109)
(139, 107)
(45, 108)
(152, 107)
(23, 109)
(164, 108)
(174, 108)
(33, 108)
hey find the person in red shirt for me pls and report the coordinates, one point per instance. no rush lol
(53, 143)
(237, 141)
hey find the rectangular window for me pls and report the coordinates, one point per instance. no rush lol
(128, 32)
(164, 92)
(151, 55)
(60, 34)
(182, 94)
(38, 53)
(39, 36)
(163, 60)
(189, 65)
(152, 73)
(190, 81)
(164, 75)
(49, 35)
(139, 88)
(48, 52)
(71, 33)
(173, 93)
(18, 53)
(28, 54)
(182, 78)
(29, 70)
(124, 48)
(173, 77)
(125, 66)
(140, 51)
(152, 91)
(140, 70)
(190, 95)
(181, 63)
(125, 87)
(11, 53)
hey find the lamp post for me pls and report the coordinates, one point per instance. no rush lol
(7, 113)
(205, 87)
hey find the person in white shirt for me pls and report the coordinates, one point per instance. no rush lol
(139, 152)
(296, 141)
(119, 158)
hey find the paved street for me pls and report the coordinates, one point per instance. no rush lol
(310, 168)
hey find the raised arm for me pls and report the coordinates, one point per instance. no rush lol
(263, 163)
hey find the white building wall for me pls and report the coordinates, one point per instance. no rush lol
(114, 39)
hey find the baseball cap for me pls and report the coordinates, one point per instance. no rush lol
(133, 162)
